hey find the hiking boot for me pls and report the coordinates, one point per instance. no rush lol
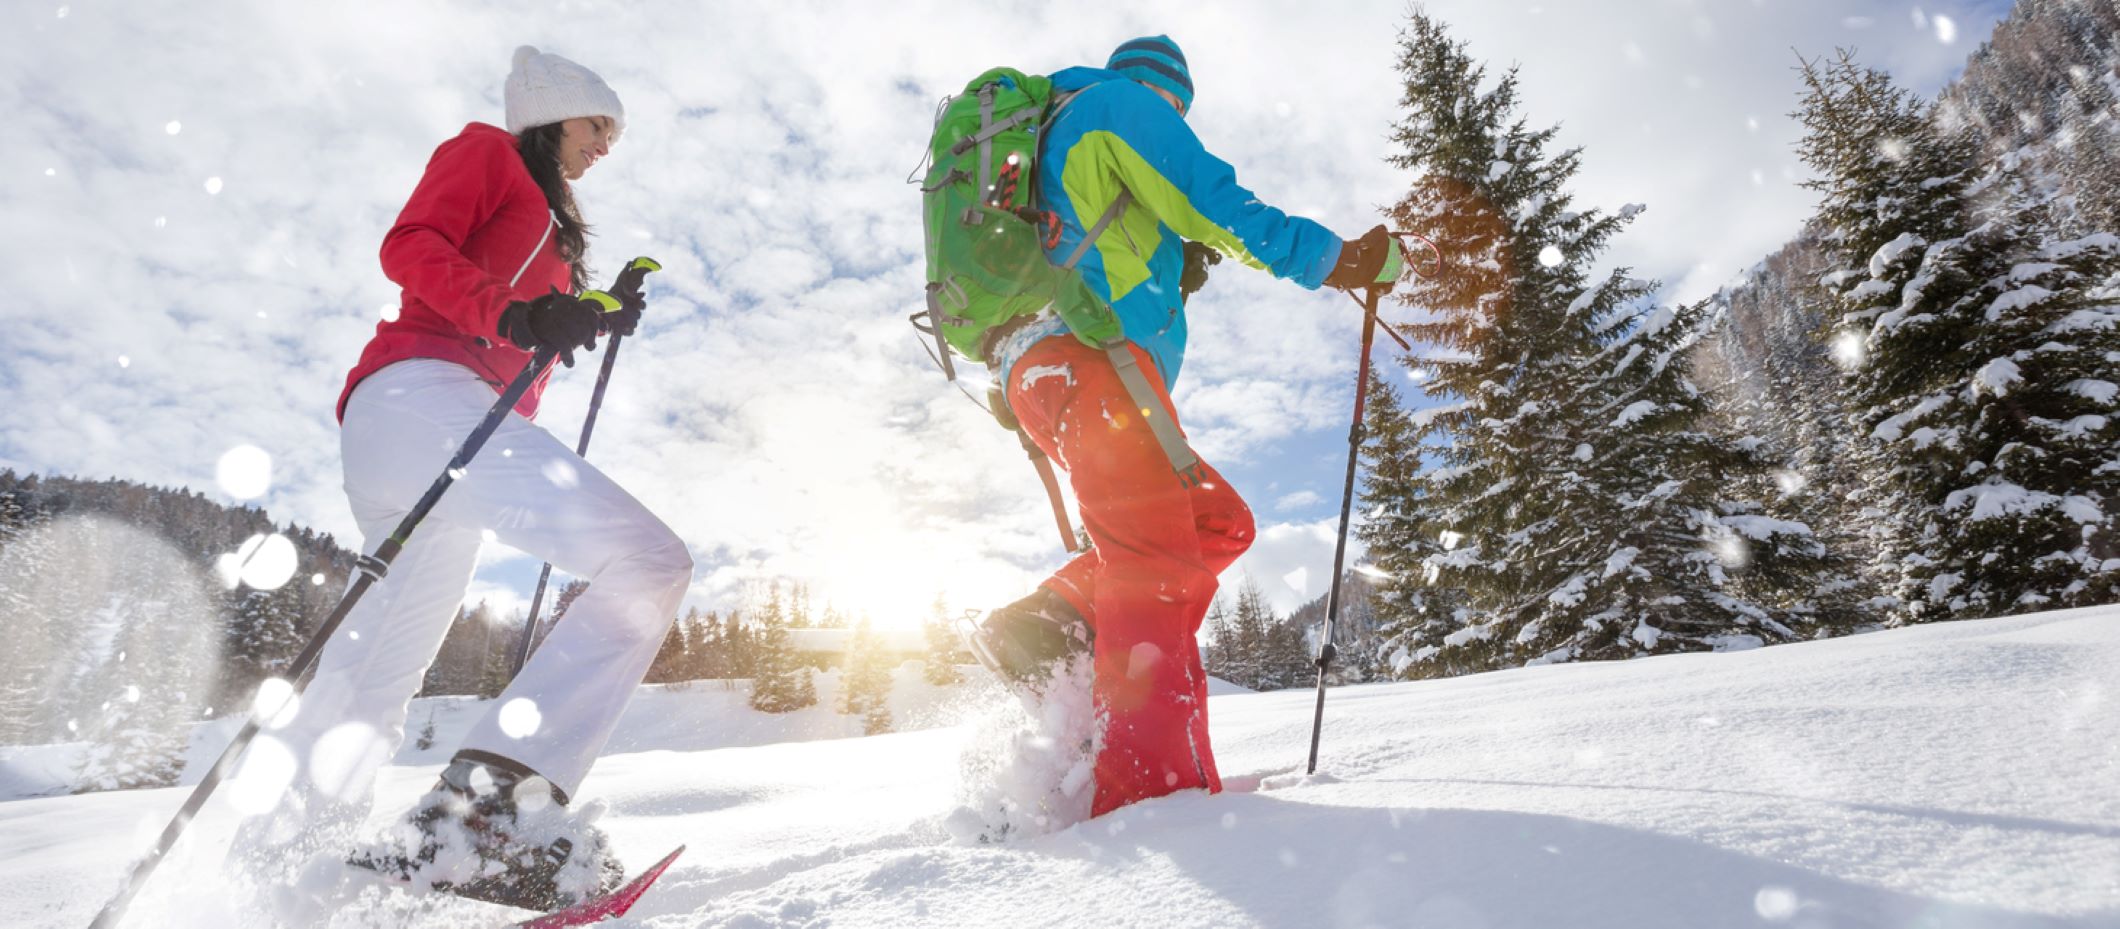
(1025, 642)
(498, 836)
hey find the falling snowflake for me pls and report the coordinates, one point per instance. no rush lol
(174, 127)
(1550, 256)
(1848, 349)
(125, 361)
(213, 185)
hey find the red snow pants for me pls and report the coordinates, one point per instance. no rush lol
(1147, 583)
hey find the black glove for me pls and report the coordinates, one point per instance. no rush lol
(555, 320)
(626, 318)
(1198, 258)
(1362, 260)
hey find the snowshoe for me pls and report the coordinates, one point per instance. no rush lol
(1025, 642)
(492, 835)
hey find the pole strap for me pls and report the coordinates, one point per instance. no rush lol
(1052, 491)
(372, 566)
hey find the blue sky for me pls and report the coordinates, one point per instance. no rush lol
(199, 190)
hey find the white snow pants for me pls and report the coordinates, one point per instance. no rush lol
(532, 493)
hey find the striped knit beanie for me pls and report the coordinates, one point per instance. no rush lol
(1156, 61)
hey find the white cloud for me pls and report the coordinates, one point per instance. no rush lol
(1297, 500)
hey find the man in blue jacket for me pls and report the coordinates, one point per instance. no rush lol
(1120, 167)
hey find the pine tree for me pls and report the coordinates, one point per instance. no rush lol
(1580, 481)
(671, 658)
(866, 688)
(1401, 534)
(1251, 658)
(1221, 638)
(1979, 360)
(780, 683)
(942, 646)
(709, 654)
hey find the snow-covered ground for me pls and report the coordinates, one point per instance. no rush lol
(1960, 775)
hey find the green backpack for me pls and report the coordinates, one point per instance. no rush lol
(986, 255)
(986, 260)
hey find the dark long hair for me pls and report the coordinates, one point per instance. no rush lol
(540, 148)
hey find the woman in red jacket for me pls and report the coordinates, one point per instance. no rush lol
(489, 250)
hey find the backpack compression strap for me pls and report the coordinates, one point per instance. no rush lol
(1183, 461)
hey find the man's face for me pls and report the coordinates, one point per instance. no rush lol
(1169, 97)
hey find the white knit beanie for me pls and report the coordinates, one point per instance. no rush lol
(545, 88)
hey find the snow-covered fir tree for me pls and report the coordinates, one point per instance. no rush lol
(1772, 377)
(866, 688)
(780, 682)
(942, 646)
(1980, 358)
(135, 738)
(1578, 473)
(1412, 609)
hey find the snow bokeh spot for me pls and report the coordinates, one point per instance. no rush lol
(213, 186)
(1790, 481)
(1229, 821)
(1848, 349)
(1550, 256)
(342, 759)
(125, 361)
(174, 127)
(562, 475)
(533, 794)
(519, 718)
(244, 472)
(264, 562)
(317, 579)
(132, 693)
(1776, 904)
(389, 312)
(277, 697)
(1946, 29)
(1732, 551)
(267, 770)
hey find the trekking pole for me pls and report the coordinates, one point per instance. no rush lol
(372, 568)
(581, 450)
(1326, 650)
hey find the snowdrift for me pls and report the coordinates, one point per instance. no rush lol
(1958, 775)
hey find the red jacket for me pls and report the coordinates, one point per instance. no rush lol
(476, 235)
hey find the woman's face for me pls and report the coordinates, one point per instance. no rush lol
(583, 140)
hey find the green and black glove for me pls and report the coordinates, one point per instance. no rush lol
(1374, 260)
(556, 320)
(631, 302)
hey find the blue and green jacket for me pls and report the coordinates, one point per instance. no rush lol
(1116, 134)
